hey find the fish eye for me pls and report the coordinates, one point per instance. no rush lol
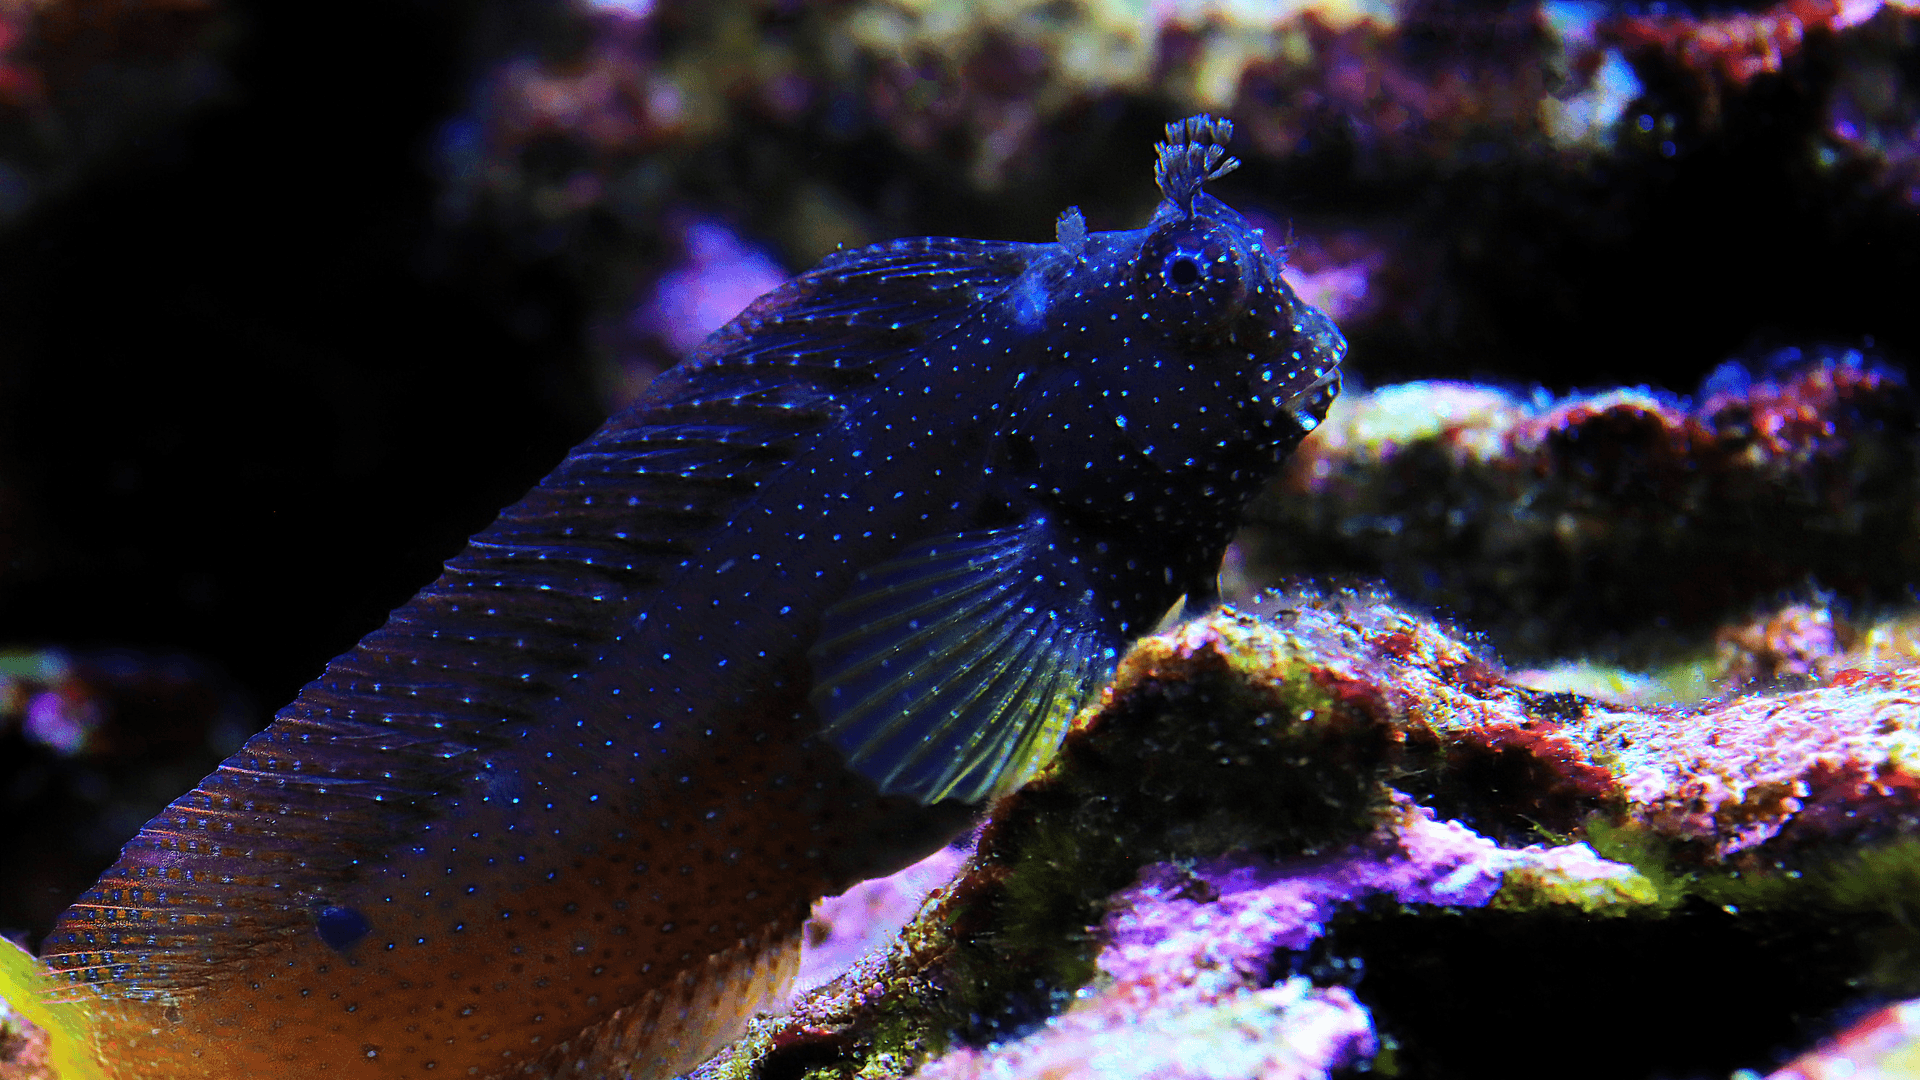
(1183, 270)
(1192, 275)
(1197, 259)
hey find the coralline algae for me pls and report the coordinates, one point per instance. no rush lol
(1545, 521)
(1279, 822)
(1293, 811)
(1522, 173)
(1233, 912)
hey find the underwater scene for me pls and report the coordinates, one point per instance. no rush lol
(1021, 539)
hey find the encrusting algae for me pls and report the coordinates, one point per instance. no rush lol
(1276, 816)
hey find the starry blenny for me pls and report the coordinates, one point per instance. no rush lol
(782, 624)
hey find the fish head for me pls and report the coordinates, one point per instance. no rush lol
(1207, 283)
(1172, 367)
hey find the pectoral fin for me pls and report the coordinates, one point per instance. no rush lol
(952, 671)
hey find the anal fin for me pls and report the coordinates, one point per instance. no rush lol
(677, 1027)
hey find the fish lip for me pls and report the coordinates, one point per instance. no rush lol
(1322, 349)
(1308, 408)
(1331, 375)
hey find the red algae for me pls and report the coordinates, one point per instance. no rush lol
(23, 1049)
(1729, 50)
(1312, 748)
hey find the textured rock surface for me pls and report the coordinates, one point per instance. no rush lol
(1466, 182)
(23, 1047)
(1884, 1045)
(1324, 832)
(82, 84)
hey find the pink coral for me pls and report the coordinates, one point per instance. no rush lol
(1201, 920)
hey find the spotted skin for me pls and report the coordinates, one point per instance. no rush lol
(572, 803)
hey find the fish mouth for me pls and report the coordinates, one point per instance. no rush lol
(1318, 348)
(1309, 406)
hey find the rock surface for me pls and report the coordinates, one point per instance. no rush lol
(1319, 833)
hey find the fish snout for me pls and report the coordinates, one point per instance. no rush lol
(1303, 384)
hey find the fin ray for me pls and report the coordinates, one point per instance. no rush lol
(948, 669)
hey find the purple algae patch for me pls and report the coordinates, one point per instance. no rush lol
(1239, 909)
(1229, 915)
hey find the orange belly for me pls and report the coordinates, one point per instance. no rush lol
(523, 936)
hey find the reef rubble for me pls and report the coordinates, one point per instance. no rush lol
(1466, 181)
(1319, 833)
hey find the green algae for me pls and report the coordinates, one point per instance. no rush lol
(1286, 735)
(1227, 735)
(1875, 877)
(1686, 680)
(1649, 855)
(1535, 887)
(1869, 889)
(1198, 749)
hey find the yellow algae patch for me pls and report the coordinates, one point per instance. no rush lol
(24, 986)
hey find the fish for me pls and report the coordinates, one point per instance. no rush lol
(831, 584)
